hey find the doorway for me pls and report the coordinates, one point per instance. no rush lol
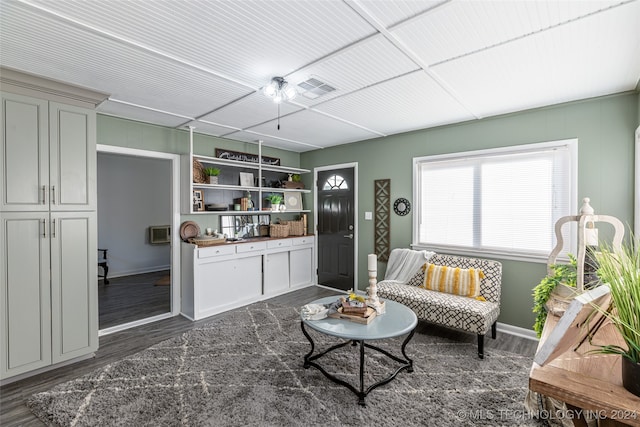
(335, 214)
(138, 191)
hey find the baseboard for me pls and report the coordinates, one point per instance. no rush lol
(139, 271)
(124, 326)
(517, 331)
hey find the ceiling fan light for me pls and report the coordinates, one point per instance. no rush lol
(270, 90)
(289, 91)
(279, 90)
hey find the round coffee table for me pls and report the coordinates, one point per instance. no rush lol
(398, 320)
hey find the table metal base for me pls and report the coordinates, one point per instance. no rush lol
(406, 363)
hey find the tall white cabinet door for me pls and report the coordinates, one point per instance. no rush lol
(276, 272)
(24, 163)
(74, 284)
(25, 313)
(73, 158)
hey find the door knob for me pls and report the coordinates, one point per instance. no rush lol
(349, 236)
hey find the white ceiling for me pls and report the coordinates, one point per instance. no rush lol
(397, 65)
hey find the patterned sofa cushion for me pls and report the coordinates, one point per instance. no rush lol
(490, 286)
(449, 310)
(453, 280)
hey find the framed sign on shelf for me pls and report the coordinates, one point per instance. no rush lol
(198, 200)
(246, 179)
(293, 200)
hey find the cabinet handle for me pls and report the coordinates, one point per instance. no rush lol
(44, 194)
(44, 228)
(53, 194)
(53, 228)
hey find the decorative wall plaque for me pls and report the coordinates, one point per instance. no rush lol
(246, 157)
(382, 188)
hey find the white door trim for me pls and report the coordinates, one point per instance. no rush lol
(353, 165)
(175, 225)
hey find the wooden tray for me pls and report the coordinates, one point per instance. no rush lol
(365, 320)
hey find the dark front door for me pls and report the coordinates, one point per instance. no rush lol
(335, 190)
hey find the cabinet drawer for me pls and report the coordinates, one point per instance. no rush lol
(281, 243)
(302, 241)
(250, 247)
(216, 251)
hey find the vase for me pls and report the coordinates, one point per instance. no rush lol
(631, 376)
(213, 179)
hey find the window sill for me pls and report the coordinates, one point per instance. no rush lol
(487, 253)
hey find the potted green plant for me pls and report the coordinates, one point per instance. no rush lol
(275, 200)
(213, 175)
(562, 282)
(621, 271)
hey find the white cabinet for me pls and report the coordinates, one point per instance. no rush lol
(300, 266)
(276, 272)
(48, 252)
(25, 299)
(49, 159)
(74, 285)
(49, 290)
(223, 277)
(226, 284)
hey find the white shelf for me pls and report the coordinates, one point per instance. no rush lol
(210, 189)
(232, 212)
(241, 188)
(248, 165)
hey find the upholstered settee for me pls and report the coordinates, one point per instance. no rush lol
(475, 315)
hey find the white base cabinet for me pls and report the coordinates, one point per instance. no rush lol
(223, 277)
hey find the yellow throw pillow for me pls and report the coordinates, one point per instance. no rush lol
(453, 280)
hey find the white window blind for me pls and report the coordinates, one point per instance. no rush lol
(503, 201)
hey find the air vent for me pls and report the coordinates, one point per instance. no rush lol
(159, 234)
(314, 88)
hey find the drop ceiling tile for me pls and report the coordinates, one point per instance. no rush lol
(366, 63)
(314, 128)
(411, 102)
(247, 41)
(390, 13)
(586, 58)
(249, 111)
(138, 114)
(37, 44)
(459, 28)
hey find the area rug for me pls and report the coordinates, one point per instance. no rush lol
(245, 369)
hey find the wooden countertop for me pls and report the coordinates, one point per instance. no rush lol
(252, 239)
(589, 381)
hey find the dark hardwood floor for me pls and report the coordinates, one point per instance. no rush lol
(113, 347)
(129, 298)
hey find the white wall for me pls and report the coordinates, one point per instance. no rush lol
(133, 193)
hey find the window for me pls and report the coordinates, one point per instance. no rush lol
(335, 182)
(500, 201)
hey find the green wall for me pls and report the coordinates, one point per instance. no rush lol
(605, 130)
